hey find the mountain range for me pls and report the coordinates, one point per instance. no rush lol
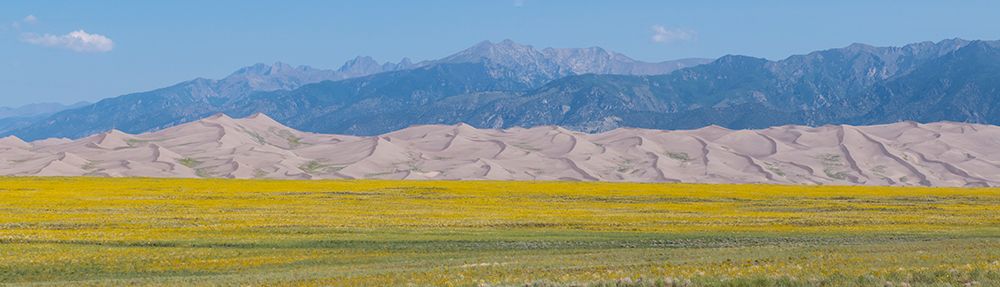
(506, 84)
(12, 118)
(505, 66)
(901, 154)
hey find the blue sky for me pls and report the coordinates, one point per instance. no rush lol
(121, 47)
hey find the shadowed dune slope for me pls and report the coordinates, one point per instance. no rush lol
(906, 154)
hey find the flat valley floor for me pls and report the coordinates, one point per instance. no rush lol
(212, 232)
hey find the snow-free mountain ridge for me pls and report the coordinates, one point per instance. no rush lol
(506, 84)
(507, 66)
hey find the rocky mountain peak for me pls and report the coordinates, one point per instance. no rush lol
(557, 62)
(261, 69)
(503, 52)
(360, 64)
(505, 66)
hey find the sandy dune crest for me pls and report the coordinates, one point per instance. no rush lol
(906, 154)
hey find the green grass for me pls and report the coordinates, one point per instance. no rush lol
(188, 162)
(314, 167)
(137, 142)
(517, 258)
(680, 156)
(213, 232)
(294, 141)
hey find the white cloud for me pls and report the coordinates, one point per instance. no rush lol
(79, 41)
(30, 20)
(663, 34)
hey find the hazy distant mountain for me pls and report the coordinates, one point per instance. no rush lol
(187, 101)
(506, 66)
(845, 85)
(836, 86)
(38, 109)
(536, 67)
(385, 101)
(963, 86)
(12, 118)
(506, 84)
(281, 76)
(364, 65)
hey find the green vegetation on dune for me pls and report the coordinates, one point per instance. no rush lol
(189, 162)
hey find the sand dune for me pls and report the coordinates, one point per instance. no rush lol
(906, 154)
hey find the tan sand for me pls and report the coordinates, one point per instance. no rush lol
(903, 154)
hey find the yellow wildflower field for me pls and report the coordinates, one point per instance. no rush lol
(133, 231)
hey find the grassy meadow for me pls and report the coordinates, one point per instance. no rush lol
(95, 231)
